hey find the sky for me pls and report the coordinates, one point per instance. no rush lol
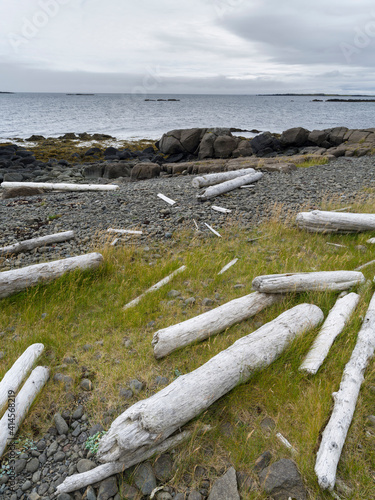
(194, 47)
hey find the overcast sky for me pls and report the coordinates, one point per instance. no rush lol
(195, 46)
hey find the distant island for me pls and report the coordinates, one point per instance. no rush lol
(1, 92)
(80, 94)
(315, 95)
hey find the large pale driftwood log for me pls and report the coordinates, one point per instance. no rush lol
(225, 187)
(210, 323)
(16, 374)
(78, 481)
(336, 320)
(49, 186)
(307, 282)
(345, 400)
(158, 285)
(213, 179)
(24, 246)
(24, 399)
(151, 421)
(333, 222)
(19, 279)
(123, 231)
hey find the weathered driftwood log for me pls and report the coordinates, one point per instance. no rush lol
(227, 186)
(213, 179)
(336, 320)
(49, 186)
(17, 411)
(24, 246)
(333, 222)
(16, 374)
(153, 420)
(123, 231)
(158, 285)
(345, 400)
(19, 279)
(307, 282)
(229, 265)
(210, 323)
(77, 481)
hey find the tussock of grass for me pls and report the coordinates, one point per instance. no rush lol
(86, 308)
(313, 162)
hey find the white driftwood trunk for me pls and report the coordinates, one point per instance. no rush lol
(49, 186)
(210, 323)
(333, 222)
(19, 279)
(24, 399)
(152, 420)
(307, 282)
(227, 186)
(16, 374)
(345, 400)
(158, 285)
(213, 179)
(123, 231)
(24, 246)
(78, 481)
(336, 320)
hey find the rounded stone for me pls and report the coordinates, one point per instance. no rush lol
(86, 384)
(33, 465)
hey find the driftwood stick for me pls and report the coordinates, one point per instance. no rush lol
(225, 187)
(123, 231)
(19, 279)
(24, 246)
(166, 199)
(151, 421)
(218, 178)
(158, 285)
(336, 320)
(213, 230)
(307, 282)
(227, 266)
(345, 400)
(210, 323)
(334, 222)
(364, 265)
(16, 374)
(221, 209)
(24, 399)
(49, 186)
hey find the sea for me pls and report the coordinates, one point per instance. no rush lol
(135, 116)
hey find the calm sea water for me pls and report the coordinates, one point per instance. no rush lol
(126, 116)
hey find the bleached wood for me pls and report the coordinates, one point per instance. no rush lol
(286, 443)
(158, 285)
(230, 264)
(307, 282)
(345, 400)
(333, 222)
(196, 225)
(49, 186)
(114, 242)
(24, 246)
(23, 401)
(153, 420)
(247, 186)
(78, 481)
(17, 373)
(359, 268)
(371, 240)
(166, 199)
(123, 231)
(337, 245)
(212, 230)
(336, 320)
(221, 209)
(19, 279)
(225, 187)
(217, 178)
(210, 323)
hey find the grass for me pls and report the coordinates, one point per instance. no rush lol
(86, 308)
(312, 162)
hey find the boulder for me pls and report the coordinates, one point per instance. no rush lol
(117, 169)
(190, 139)
(20, 191)
(282, 481)
(336, 135)
(355, 136)
(13, 177)
(320, 138)
(225, 487)
(265, 143)
(145, 170)
(296, 136)
(170, 143)
(224, 146)
(206, 148)
(243, 149)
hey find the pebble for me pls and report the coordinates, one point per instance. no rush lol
(86, 384)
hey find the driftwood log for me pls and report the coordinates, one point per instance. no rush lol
(25, 246)
(210, 323)
(123, 231)
(217, 178)
(336, 320)
(19, 279)
(17, 373)
(333, 222)
(158, 285)
(13, 417)
(345, 400)
(49, 186)
(307, 282)
(151, 421)
(225, 187)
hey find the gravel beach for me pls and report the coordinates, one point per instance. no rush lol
(136, 206)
